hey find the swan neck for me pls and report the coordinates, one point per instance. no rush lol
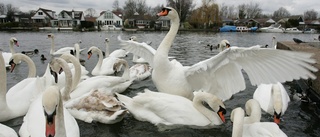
(100, 59)
(11, 48)
(255, 113)
(168, 39)
(68, 77)
(276, 97)
(60, 126)
(77, 69)
(77, 51)
(52, 46)
(197, 103)
(31, 65)
(237, 128)
(107, 53)
(3, 80)
(126, 73)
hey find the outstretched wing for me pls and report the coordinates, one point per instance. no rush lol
(222, 74)
(141, 49)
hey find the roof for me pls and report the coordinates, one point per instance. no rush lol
(45, 12)
(80, 13)
(117, 13)
(91, 19)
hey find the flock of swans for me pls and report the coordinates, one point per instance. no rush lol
(51, 103)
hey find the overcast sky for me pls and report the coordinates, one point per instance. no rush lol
(268, 6)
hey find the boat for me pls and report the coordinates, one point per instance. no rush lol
(228, 28)
(292, 30)
(130, 29)
(242, 29)
(309, 31)
(110, 27)
(272, 28)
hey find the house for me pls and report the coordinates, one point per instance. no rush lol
(70, 18)
(164, 21)
(45, 18)
(139, 21)
(3, 19)
(110, 18)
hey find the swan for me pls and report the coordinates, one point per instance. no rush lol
(78, 71)
(96, 105)
(273, 99)
(162, 109)
(17, 100)
(48, 117)
(103, 66)
(221, 74)
(61, 50)
(135, 58)
(109, 83)
(7, 55)
(119, 53)
(140, 72)
(7, 131)
(256, 129)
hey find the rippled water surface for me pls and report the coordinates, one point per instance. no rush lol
(188, 48)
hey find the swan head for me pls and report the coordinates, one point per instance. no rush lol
(133, 38)
(169, 12)
(224, 44)
(252, 105)
(106, 40)
(14, 41)
(237, 112)
(51, 36)
(50, 102)
(15, 59)
(55, 68)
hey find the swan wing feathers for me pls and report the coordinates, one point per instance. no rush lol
(141, 49)
(263, 94)
(223, 72)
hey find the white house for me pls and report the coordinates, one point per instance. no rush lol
(70, 18)
(45, 17)
(110, 18)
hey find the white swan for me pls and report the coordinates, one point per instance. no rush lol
(108, 83)
(221, 74)
(7, 55)
(168, 110)
(79, 72)
(103, 66)
(119, 53)
(7, 131)
(61, 50)
(273, 99)
(96, 105)
(256, 129)
(17, 100)
(140, 72)
(135, 58)
(47, 117)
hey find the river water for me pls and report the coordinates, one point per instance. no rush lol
(188, 48)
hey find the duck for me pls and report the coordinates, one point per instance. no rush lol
(118, 53)
(273, 99)
(42, 57)
(103, 66)
(7, 131)
(97, 105)
(16, 101)
(35, 51)
(255, 129)
(221, 74)
(61, 50)
(47, 116)
(7, 55)
(170, 111)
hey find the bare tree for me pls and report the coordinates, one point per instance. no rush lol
(310, 15)
(129, 8)
(253, 10)
(228, 11)
(11, 10)
(2, 9)
(141, 7)
(206, 15)
(116, 6)
(183, 7)
(281, 13)
(90, 12)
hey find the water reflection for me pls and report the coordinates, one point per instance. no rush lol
(189, 48)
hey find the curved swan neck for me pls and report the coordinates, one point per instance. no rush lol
(277, 98)
(3, 80)
(237, 116)
(253, 109)
(31, 65)
(77, 69)
(126, 73)
(168, 39)
(68, 77)
(197, 103)
(100, 56)
(77, 48)
(11, 47)
(107, 53)
(60, 126)
(52, 46)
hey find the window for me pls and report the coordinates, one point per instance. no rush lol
(40, 13)
(108, 15)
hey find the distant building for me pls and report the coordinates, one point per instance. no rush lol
(110, 18)
(45, 18)
(70, 18)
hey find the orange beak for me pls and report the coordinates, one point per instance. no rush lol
(276, 120)
(89, 55)
(50, 128)
(221, 116)
(163, 13)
